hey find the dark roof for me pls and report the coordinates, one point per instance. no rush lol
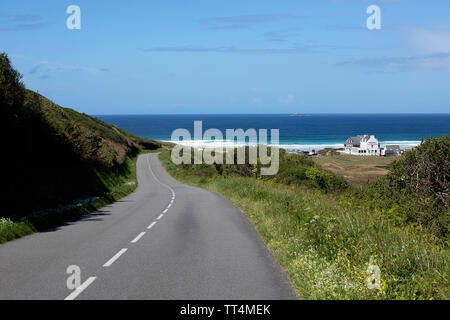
(356, 140)
(393, 147)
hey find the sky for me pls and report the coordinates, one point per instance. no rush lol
(233, 56)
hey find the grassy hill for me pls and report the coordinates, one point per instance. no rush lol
(57, 163)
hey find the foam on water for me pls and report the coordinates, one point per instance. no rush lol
(231, 144)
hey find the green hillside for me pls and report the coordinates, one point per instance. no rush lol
(54, 156)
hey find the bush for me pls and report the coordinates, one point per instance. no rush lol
(291, 175)
(416, 189)
(294, 169)
(325, 180)
(11, 86)
(424, 171)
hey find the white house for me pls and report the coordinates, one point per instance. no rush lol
(363, 145)
(391, 150)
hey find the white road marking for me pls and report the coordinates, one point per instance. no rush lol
(80, 289)
(90, 280)
(118, 254)
(140, 235)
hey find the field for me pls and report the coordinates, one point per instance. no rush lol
(355, 169)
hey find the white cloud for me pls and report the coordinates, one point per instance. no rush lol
(286, 100)
(428, 41)
(428, 48)
(44, 69)
(257, 101)
(391, 64)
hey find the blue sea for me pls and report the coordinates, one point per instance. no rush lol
(306, 132)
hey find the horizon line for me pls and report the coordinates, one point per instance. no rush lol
(290, 114)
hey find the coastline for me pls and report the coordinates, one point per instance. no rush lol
(223, 144)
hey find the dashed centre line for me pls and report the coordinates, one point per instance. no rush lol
(139, 236)
(80, 289)
(116, 256)
(90, 280)
(151, 225)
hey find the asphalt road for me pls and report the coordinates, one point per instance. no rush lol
(164, 241)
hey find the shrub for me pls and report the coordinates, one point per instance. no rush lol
(11, 86)
(416, 189)
(424, 171)
(291, 175)
(294, 169)
(325, 180)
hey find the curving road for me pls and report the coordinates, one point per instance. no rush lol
(164, 241)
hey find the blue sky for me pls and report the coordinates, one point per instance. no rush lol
(246, 56)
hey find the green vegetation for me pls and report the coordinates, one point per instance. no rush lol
(57, 163)
(325, 233)
(10, 230)
(297, 170)
(416, 191)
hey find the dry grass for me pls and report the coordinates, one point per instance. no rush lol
(355, 169)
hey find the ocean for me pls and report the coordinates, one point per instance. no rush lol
(306, 132)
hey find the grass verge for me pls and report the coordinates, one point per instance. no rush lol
(326, 243)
